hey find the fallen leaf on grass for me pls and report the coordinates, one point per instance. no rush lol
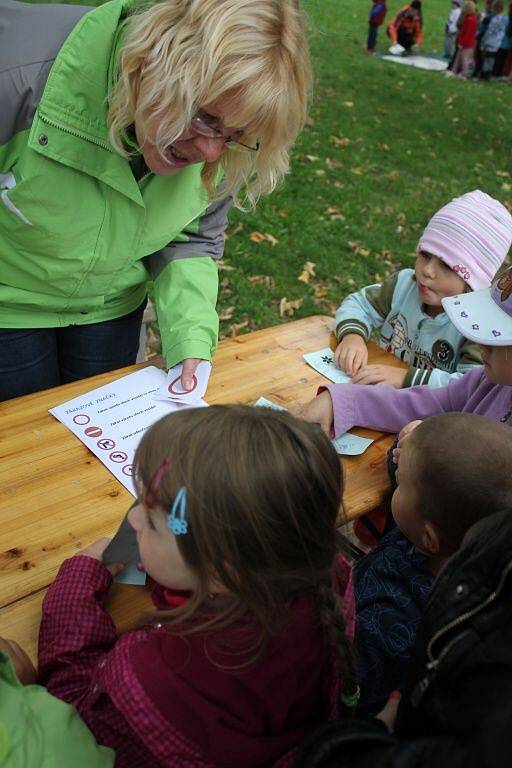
(234, 328)
(222, 264)
(308, 271)
(289, 307)
(503, 174)
(393, 175)
(340, 141)
(262, 280)
(312, 158)
(227, 314)
(357, 171)
(334, 213)
(320, 291)
(348, 104)
(320, 172)
(259, 237)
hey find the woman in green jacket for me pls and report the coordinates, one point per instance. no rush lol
(126, 132)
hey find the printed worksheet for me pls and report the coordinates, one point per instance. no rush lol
(322, 361)
(111, 420)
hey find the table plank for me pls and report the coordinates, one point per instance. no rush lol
(56, 497)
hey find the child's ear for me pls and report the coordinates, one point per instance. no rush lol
(430, 540)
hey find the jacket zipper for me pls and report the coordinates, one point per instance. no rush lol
(74, 132)
(434, 663)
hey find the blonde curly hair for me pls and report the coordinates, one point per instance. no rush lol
(193, 52)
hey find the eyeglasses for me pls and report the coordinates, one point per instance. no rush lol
(203, 125)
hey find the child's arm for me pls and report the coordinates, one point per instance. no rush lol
(358, 315)
(469, 358)
(366, 310)
(75, 630)
(388, 409)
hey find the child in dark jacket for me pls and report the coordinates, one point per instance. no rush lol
(377, 15)
(454, 470)
(236, 522)
(456, 706)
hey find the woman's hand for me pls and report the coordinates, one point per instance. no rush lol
(25, 670)
(380, 374)
(402, 437)
(96, 550)
(187, 374)
(319, 411)
(351, 353)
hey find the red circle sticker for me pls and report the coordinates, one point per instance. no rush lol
(93, 432)
(171, 389)
(81, 419)
(127, 470)
(106, 444)
(118, 456)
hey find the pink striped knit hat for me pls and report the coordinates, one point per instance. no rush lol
(472, 235)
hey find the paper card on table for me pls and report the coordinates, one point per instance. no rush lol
(262, 402)
(124, 549)
(172, 391)
(351, 445)
(322, 361)
(131, 575)
(111, 420)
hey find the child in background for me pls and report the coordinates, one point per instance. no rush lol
(492, 39)
(37, 729)
(461, 249)
(484, 317)
(451, 30)
(406, 28)
(236, 521)
(454, 470)
(483, 22)
(500, 63)
(375, 19)
(466, 39)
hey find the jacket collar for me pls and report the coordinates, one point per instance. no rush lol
(72, 113)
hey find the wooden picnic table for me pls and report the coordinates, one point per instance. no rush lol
(56, 497)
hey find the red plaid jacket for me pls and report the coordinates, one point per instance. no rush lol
(158, 699)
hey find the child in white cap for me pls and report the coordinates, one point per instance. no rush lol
(461, 249)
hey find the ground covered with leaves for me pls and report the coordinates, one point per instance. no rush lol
(385, 146)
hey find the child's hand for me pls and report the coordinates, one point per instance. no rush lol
(25, 670)
(96, 550)
(388, 712)
(351, 353)
(402, 436)
(380, 374)
(320, 411)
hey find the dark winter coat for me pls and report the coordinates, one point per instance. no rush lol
(456, 708)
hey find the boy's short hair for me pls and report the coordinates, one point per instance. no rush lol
(463, 466)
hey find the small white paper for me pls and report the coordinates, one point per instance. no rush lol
(111, 420)
(262, 402)
(173, 392)
(323, 362)
(351, 445)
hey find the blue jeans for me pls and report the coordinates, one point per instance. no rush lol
(372, 37)
(32, 359)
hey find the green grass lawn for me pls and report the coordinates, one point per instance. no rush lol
(386, 146)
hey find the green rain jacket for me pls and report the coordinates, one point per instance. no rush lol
(80, 238)
(36, 729)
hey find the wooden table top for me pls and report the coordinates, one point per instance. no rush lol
(56, 497)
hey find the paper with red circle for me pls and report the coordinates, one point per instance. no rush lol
(173, 392)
